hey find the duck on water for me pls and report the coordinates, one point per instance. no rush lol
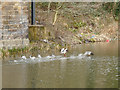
(88, 53)
(65, 50)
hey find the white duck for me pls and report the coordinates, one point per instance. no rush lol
(39, 56)
(53, 56)
(88, 53)
(24, 57)
(15, 60)
(64, 51)
(32, 58)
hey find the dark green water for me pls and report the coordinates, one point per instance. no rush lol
(98, 71)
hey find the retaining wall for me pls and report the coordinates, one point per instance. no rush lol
(13, 24)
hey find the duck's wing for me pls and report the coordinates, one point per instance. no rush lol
(62, 50)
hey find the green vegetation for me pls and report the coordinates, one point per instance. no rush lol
(112, 7)
(68, 19)
(45, 5)
(13, 52)
(79, 24)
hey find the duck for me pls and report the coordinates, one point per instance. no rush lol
(88, 53)
(15, 60)
(64, 51)
(24, 57)
(39, 56)
(48, 57)
(32, 58)
(53, 56)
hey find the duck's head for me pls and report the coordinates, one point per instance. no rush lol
(88, 53)
(66, 49)
(91, 53)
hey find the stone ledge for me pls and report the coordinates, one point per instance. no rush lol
(14, 43)
(36, 25)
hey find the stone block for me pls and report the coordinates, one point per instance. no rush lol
(25, 42)
(14, 43)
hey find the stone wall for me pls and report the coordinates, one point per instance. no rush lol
(13, 23)
(0, 21)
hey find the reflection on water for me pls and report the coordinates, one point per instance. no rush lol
(98, 71)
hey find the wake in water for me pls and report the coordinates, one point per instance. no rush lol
(80, 57)
(48, 58)
(31, 59)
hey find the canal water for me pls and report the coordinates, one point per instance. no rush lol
(72, 71)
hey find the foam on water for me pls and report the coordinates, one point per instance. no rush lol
(53, 57)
